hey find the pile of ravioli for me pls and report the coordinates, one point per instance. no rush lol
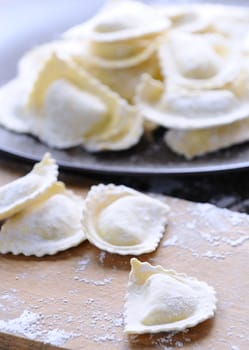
(40, 217)
(131, 69)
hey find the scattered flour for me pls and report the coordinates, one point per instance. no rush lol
(58, 337)
(235, 242)
(171, 241)
(96, 283)
(211, 255)
(30, 325)
(102, 256)
(82, 264)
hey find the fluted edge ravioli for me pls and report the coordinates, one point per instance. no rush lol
(48, 226)
(187, 18)
(200, 61)
(21, 193)
(160, 300)
(120, 220)
(119, 21)
(66, 107)
(177, 108)
(121, 54)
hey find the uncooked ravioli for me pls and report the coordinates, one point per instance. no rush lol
(66, 107)
(160, 300)
(25, 191)
(200, 61)
(173, 106)
(192, 143)
(121, 35)
(121, 220)
(47, 227)
(120, 21)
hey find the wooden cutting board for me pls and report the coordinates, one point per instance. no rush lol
(74, 300)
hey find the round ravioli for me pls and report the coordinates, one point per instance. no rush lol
(121, 220)
(199, 61)
(120, 20)
(160, 300)
(25, 191)
(121, 35)
(192, 143)
(174, 107)
(187, 18)
(121, 54)
(47, 227)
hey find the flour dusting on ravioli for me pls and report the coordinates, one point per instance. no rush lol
(173, 106)
(121, 35)
(26, 190)
(121, 220)
(199, 61)
(66, 107)
(160, 300)
(46, 227)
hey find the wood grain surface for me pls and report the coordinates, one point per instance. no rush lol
(74, 300)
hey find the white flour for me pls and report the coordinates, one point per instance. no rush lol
(30, 325)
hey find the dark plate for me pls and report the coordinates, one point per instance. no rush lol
(25, 23)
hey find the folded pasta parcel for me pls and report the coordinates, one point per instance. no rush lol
(23, 192)
(48, 226)
(122, 34)
(160, 300)
(120, 220)
(67, 107)
(41, 215)
(120, 43)
(205, 83)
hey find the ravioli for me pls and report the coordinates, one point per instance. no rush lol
(174, 107)
(33, 60)
(192, 143)
(67, 107)
(199, 61)
(122, 35)
(121, 54)
(120, 220)
(46, 227)
(160, 300)
(119, 21)
(187, 18)
(25, 191)
(124, 81)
